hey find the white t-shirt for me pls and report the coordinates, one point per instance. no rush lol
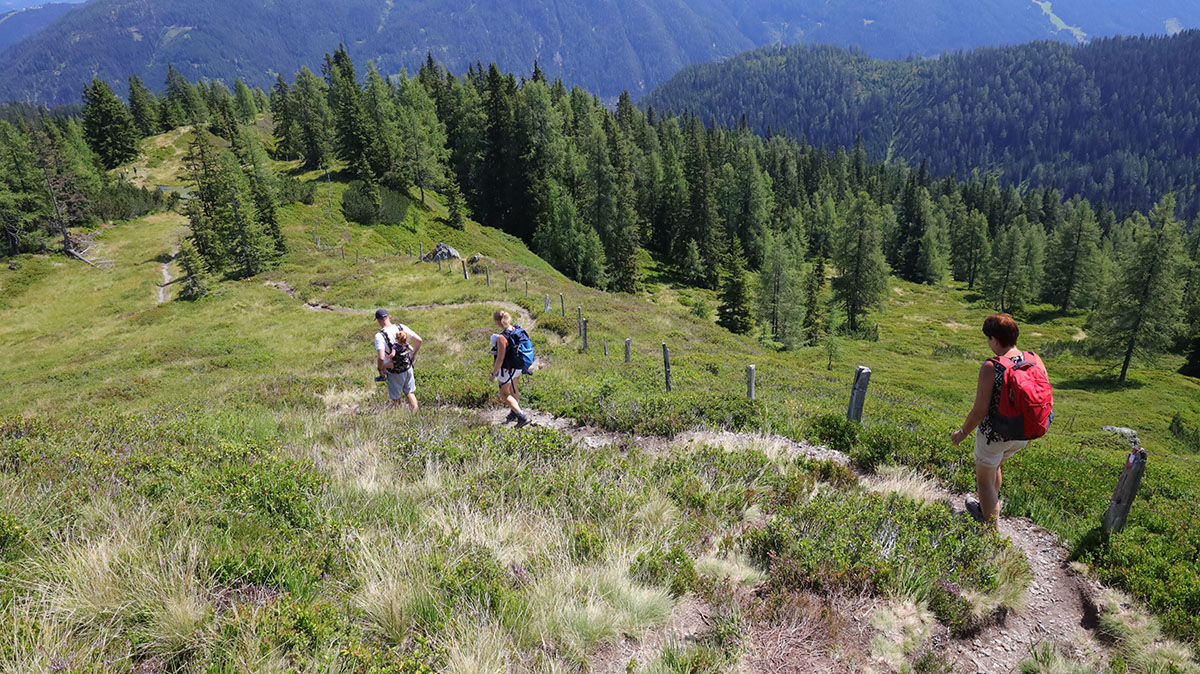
(392, 331)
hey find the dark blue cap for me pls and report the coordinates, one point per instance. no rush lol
(381, 313)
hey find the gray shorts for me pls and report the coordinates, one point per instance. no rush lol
(401, 383)
(995, 453)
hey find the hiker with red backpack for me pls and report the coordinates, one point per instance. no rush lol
(514, 357)
(1013, 405)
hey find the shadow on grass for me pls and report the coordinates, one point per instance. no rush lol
(1090, 541)
(1100, 384)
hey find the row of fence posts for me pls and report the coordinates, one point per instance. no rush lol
(1118, 507)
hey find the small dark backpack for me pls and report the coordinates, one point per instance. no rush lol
(401, 357)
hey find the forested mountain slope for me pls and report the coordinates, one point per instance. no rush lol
(17, 24)
(1114, 120)
(606, 46)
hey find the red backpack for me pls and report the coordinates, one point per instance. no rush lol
(1026, 400)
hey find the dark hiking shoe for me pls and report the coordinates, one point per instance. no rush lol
(512, 416)
(522, 421)
(975, 510)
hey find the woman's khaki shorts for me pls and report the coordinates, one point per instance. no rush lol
(993, 453)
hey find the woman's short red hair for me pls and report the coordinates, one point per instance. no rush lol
(1003, 328)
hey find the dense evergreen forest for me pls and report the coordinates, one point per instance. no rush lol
(1115, 121)
(605, 47)
(595, 191)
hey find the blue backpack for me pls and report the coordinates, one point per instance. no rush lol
(519, 354)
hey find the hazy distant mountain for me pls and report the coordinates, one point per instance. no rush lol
(604, 45)
(17, 24)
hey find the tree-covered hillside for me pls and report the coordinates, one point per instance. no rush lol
(17, 24)
(1115, 120)
(607, 47)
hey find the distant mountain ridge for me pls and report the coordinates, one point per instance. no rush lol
(18, 24)
(606, 46)
(1114, 120)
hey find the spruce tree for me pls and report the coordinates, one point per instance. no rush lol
(1141, 315)
(143, 106)
(814, 313)
(1073, 268)
(195, 281)
(692, 268)
(733, 312)
(1004, 281)
(862, 270)
(108, 126)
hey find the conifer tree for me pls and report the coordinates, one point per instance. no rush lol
(108, 126)
(692, 268)
(862, 270)
(733, 312)
(971, 247)
(143, 106)
(244, 105)
(1142, 312)
(1073, 268)
(814, 314)
(456, 218)
(422, 138)
(781, 293)
(1007, 278)
(24, 206)
(312, 118)
(195, 281)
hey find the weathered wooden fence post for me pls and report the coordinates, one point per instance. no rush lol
(355, 256)
(606, 347)
(421, 250)
(750, 382)
(585, 334)
(579, 320)
(562, 305)
(466, 276)
(506, 283)
(527, 288)
(318, 243)
(487, 272)
(667, 366)
(1127, 488)
(343, 251)
(858, 393)
(626, 349)
(547, 309)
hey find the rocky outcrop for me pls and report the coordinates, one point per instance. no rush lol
(441, 252)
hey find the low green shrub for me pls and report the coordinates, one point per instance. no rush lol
(12, 533)
(671, 568)
(559, 325)
(835, 431)
(532, 305)
(874, 543)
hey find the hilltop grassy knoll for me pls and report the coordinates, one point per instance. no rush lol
(215, 485)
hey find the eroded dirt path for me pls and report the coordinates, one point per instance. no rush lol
(318, 305)
(166, 276)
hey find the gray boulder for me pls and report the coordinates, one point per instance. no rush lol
(441, 252)
(1129, 434)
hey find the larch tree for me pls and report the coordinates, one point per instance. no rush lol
(781, 300)
(1073, 270)
(971, 248)
(1141, 315)
(244, 104)
(422, 137)
(861, 284)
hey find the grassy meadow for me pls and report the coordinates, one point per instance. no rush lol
(216, 486)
